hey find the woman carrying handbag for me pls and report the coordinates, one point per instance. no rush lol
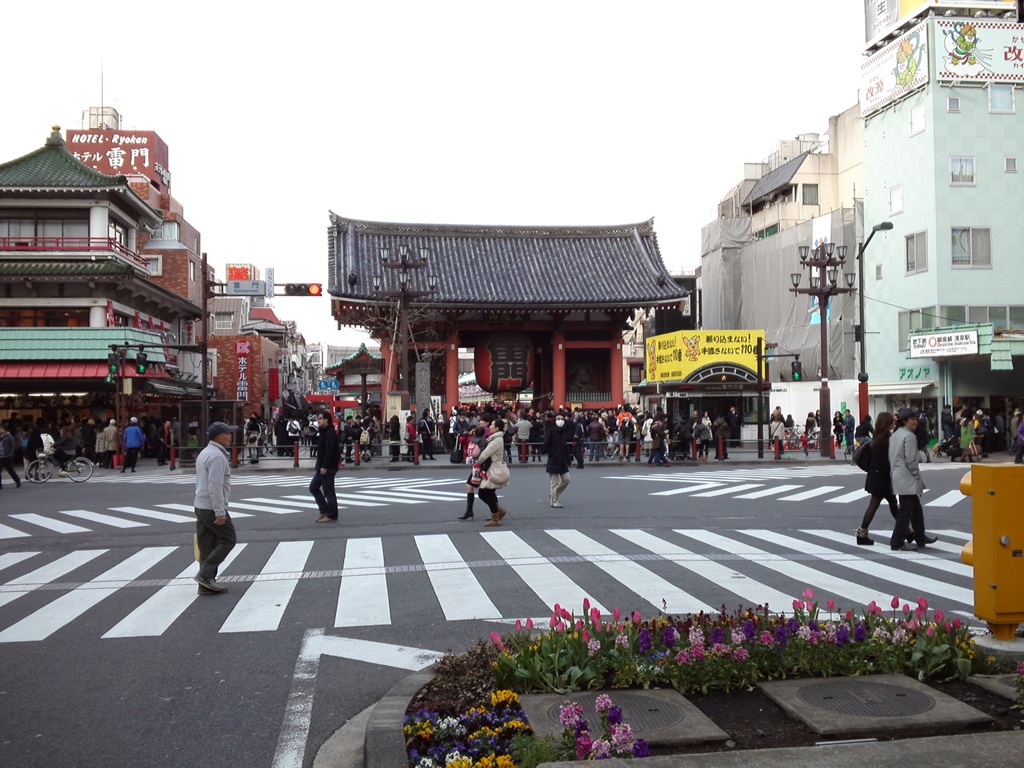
(494, 471)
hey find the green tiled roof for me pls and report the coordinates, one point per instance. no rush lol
(53, 167)
(64, 268)
(20, 344)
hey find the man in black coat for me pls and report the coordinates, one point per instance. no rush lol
(557, 446)
(327, 456)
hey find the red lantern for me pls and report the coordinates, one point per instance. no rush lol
(504, 362)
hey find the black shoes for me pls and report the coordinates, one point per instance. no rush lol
(210, 585)
(905, 547)
(467, 516)
(928, 540)
(863, 539)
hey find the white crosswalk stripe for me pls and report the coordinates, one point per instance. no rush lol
(150, 591)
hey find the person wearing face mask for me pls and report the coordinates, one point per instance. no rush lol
(557, 446)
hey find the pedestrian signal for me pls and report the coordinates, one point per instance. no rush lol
(303, 289)
(797, 369)
(141, 363)
(113, 360)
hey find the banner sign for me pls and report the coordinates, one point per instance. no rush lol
(676, 356)
(897, 69)
(949, 344)
(973, 50)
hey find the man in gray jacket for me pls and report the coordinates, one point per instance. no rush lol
(214, 530)
(908, 485)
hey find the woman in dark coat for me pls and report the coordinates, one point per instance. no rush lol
(879, 479)
(557, 442)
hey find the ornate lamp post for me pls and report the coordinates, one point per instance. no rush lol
(827, 259)
(406, 260)
(862, 377)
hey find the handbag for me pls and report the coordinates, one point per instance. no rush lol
(477, 476)
(862, 456)
(456, 456)
(499, 474)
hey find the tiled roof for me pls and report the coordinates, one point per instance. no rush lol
(263, 313)
(52, 168)
(66, 344)
(64, 268)
(775, 179)
(541, 267)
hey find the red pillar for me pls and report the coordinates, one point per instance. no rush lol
(451, 372)
(616, 372)
(557, 368)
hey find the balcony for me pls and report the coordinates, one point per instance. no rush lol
(70, 245)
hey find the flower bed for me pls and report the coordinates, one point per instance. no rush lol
(696, 653)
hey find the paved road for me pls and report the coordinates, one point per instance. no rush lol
(110, 657)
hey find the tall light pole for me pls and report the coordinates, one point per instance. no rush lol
(827, 260)
(862, 377)
(405, 261)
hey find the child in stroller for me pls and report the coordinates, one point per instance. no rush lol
(948, 447)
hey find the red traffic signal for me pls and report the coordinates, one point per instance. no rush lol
(303, 289)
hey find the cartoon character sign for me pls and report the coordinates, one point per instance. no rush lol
(908, 59)
(962, 51)
(692, 348)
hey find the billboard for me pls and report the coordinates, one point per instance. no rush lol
(883, 17)
(975, 50)
(949, 344)
(895, 70)
(688, 355)
(141, 153)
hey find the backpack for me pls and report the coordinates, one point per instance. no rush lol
(364, 437)
(472, 450)
(862, 456)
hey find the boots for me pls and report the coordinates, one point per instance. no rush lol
(502, 512)
(469, 507)
(862, 537)
(495, 520)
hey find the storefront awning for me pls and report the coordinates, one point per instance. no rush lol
(70, 370)
(900, 387)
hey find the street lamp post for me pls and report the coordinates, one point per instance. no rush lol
(827, 259)
(862, 377)
(406, 260)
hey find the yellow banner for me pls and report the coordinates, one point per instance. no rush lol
(676, 356)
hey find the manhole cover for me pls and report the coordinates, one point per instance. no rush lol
(643, 713)
(866, 699)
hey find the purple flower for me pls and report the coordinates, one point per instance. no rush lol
(749, 630)
(781, 636)
(813, 625)
(842, 635)
(583, 744)
(717, 636)
(603, 703)
(614, 716)
(645, 640)
(668, 637)
(860, 633)
(641, 749)
(792, 626)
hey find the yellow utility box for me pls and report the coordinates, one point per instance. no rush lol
(996, 550)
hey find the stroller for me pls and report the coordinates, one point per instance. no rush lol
(948, 447)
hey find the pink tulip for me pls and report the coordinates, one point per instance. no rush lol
(553, 622)
(529, 623)
(949, 626)
(595, 615)
(808, 594)
(906, 607)
(877, 611)
(938, 616)
(579, 624)
(616, 613)
(922, 604)
(586, 636)
(496, 639)
(519, 625)
(895, 602)
(558, 610)
(930, 631)
(636, 617)
(586, 604)
(566, 615)
(849, 614)
(831, 604)
(871, 606)
(798, 605)
(956, 622)
(919, 613)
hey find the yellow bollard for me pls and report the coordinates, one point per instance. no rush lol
(996, 550)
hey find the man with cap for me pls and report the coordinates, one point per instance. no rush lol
(133, 441)
(215, 533)
(907, 484)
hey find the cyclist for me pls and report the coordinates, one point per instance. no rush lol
(64, 449)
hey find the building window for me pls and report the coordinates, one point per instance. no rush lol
(917, 119)
(168, 231)
(972, 247)
(896, 199)
(154, 264)
(1000, 98)
(191, 271)
(117, 233)
(1017, 317)
(636, 374)
(810, 192)
(917, 253)
(1010, 164)
(977, 314)
(953, 314)
(878, 271)
(903, 324)
(997, 316)
(953, 104)
(222, 321)
(961, 170)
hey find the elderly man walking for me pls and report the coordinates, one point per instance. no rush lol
(907, 485)
(215, 533)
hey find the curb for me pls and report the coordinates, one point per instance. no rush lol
(384, 745)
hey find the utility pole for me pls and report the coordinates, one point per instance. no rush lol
(204, 350)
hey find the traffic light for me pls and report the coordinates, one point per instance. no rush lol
(141, 361)
(113, 363)
(797, 369)
(303, 289)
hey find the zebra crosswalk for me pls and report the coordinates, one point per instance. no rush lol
(353, 493)
(149, 591)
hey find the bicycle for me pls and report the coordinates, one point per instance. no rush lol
(850, 452)
(78, 469)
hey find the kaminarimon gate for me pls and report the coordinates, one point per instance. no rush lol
(542, 307)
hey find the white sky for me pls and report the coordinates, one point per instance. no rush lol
(553, 112)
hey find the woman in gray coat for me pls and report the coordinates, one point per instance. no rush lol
(907, 484)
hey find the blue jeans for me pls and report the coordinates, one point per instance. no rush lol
(322, 489)
(658, 456)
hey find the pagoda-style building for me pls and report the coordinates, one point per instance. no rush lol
(543, 307)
